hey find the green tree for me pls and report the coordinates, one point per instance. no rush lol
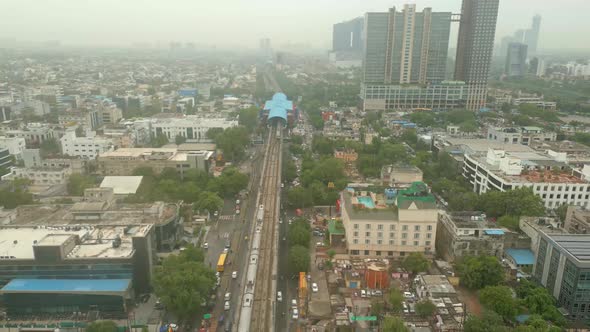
(396, 298)
(299, 234)
(49, 148)
(179, 139)
(377, 308)
(102, 326)
(394, 324)
(182, 283)
(299, 259)
(489, 322)
(213, 133)
(500, 300)
(249, 118)
(416, 262)
(233, 141)
(298, 197)
(159, 141)
(480, 271)
(209, 201)
(517, 202)
(77, 183)
(15, 194)
(509, 222)
(425, 308)
(144, 171)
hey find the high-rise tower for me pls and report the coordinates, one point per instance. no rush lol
(475, 47)
(531, 37)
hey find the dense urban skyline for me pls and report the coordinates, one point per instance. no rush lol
(123, 23)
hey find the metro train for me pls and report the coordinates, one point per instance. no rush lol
(260, 214)
(248, 298)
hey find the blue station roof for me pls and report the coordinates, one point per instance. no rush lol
(66, 286)
(521, 256)
(278, 106)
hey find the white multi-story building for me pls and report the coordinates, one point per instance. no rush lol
(553, 181)
(34, 133)
(192, 127)
(84, 147)
(43, 176)
(521, 135)
(373, 231)
(15, 145)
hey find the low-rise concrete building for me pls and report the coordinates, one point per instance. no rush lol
(124, 161)
(43, 176)
(577, 220)
(191, 127)
(392, 175)
(33, 133)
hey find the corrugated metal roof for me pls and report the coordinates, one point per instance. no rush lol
(521, 256)
(66, 285)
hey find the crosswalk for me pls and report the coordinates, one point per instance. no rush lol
(227, 217)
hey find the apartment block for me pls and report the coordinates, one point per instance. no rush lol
(33, 133)
(43, 176)
(374, 229)
(84, 147)
(14, 145)
(555, 182)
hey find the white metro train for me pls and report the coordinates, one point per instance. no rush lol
(248, 298)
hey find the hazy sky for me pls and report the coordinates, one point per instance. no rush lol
(243, 22)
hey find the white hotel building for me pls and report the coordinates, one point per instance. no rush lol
(85, 147)
(554, 181)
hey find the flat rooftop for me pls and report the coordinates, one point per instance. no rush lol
(67, 286)
(577, 245)
(481, 145)
(93, 242)
(122, 185)
(117, 215)
(437, 284)
(369, 214)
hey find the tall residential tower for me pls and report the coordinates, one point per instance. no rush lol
(404, 61)
(474, 48)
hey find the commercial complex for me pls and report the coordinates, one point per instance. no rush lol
(191, 127)
(5, 158)
(373, 228)
(526, 135)
(124, 161)
(563, 267)
(475, 46)
(516, 60)
(551, 180)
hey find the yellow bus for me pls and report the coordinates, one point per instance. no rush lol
(221, 262)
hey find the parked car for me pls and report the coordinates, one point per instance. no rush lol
(226, 305)
(363, 293)
(227, 296)
(294, 303)
(279, 296)
(405, 307)
(377, 292)
(295, 314)
(314, 287)
(234, 274)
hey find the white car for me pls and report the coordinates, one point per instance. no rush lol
(237, 202)
(225, 250)
(227, 296)
(314, 287)
(234, 274)
(206, 245)
(279, 296)
(363, 293)
(295, 314)
(226, 305)
(294, 303)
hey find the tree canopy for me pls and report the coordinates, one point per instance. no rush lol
(183, 282)
(416, 262)
(500, 300)
(299, 259)
(77, 183)
(233, 142)
(425, 308)
(300, 233)
(480, 271)
(15, 194)
(395, 298)
(394, 324)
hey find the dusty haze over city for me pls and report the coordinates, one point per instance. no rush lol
(242, 23)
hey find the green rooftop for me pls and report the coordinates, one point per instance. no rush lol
(335, 227)
(418, 192)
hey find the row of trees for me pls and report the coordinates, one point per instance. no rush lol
(299, 240)
(15, 194)
(196, 187)
(183, 283)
